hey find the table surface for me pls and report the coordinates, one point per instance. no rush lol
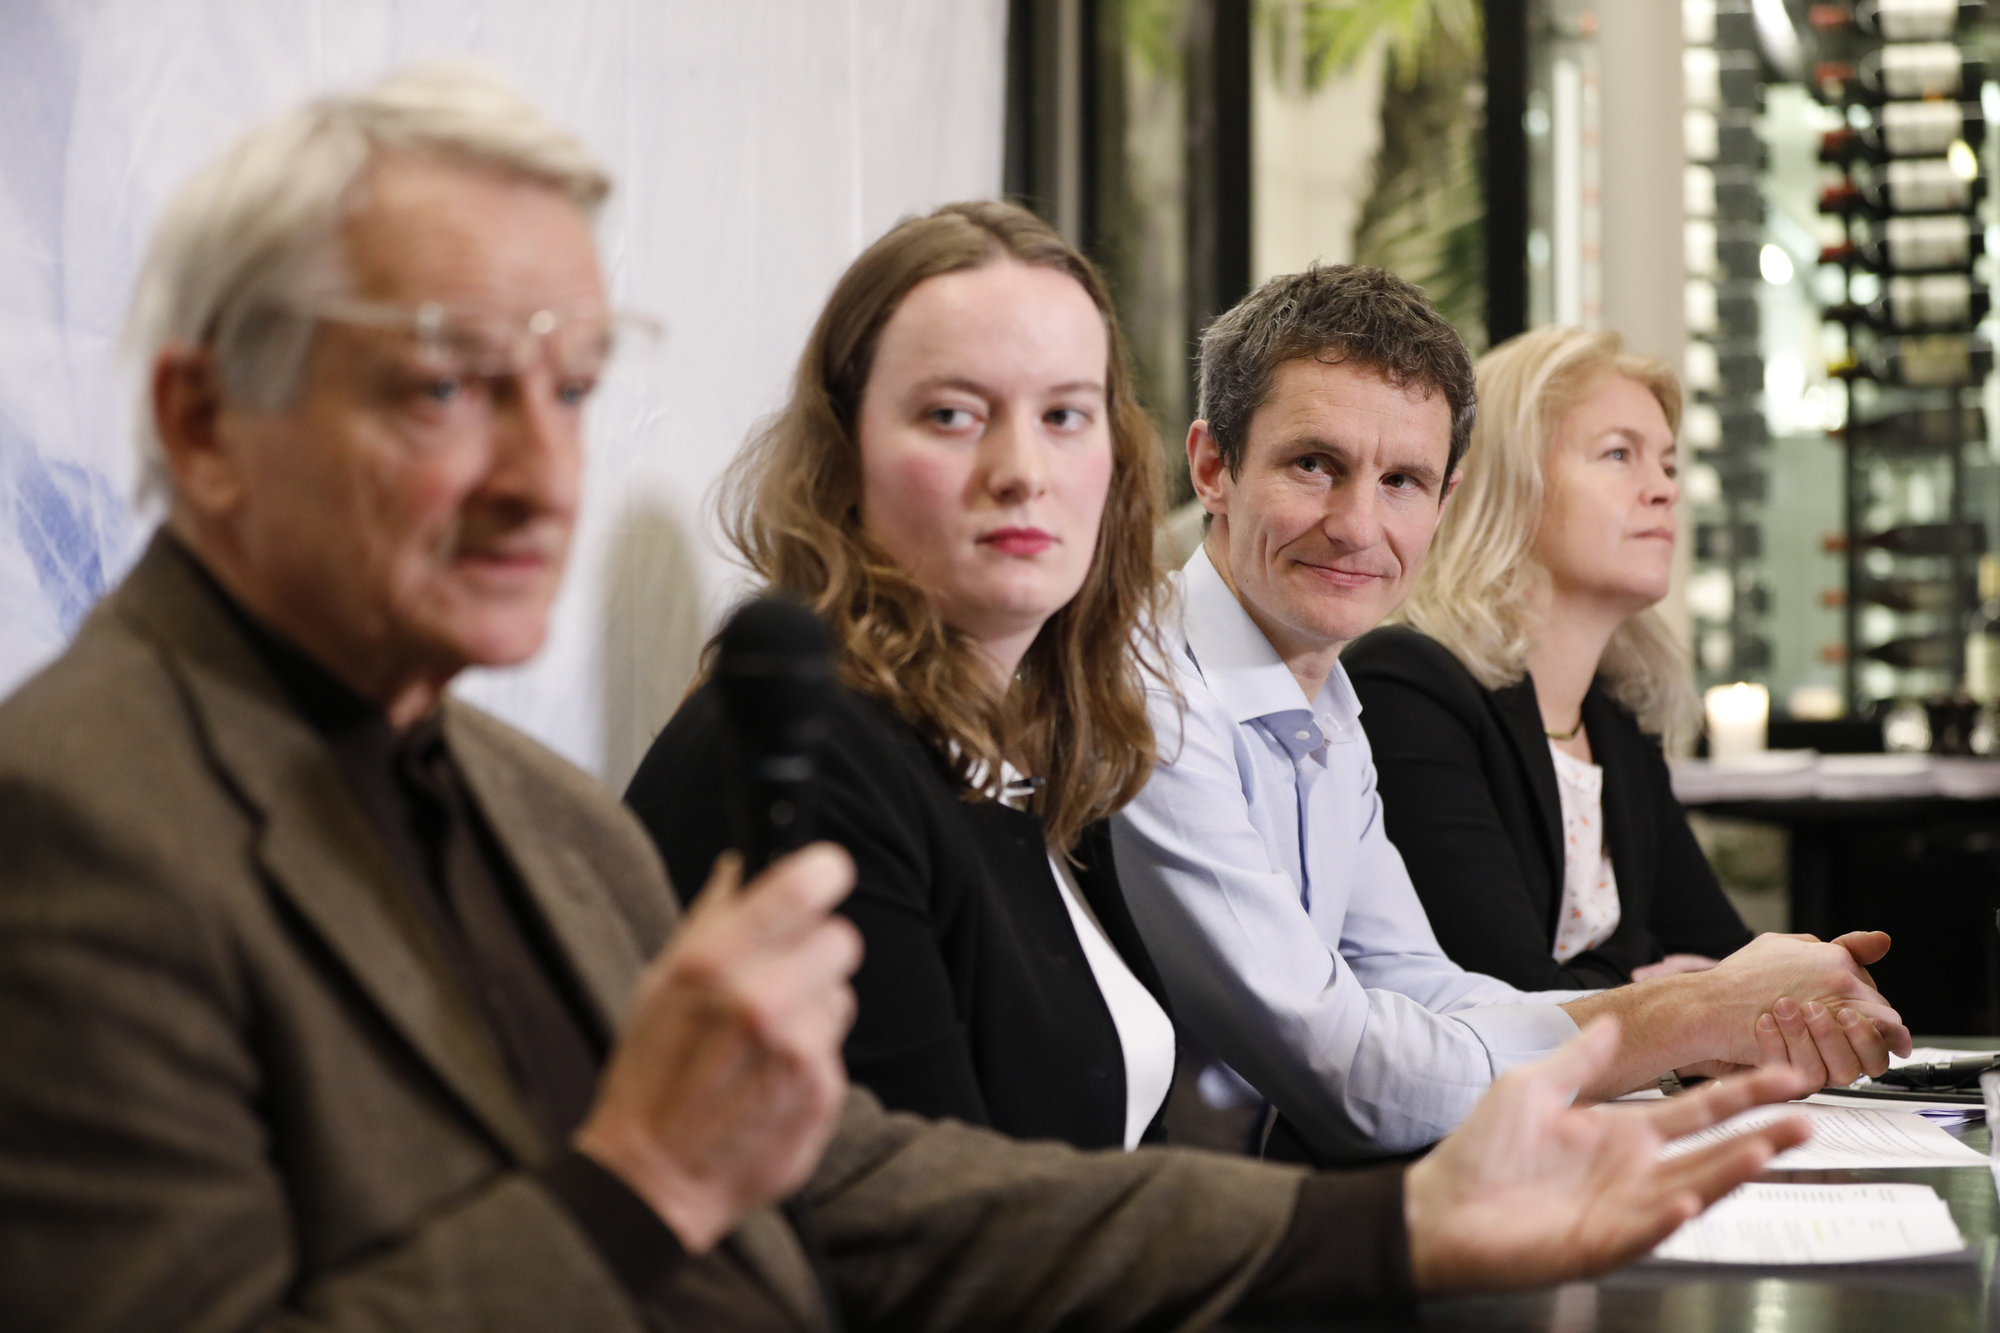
(1935, 1297)
(1808, 810)
(1847, 781)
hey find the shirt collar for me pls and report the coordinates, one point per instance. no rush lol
(1244, 672)
(364, 743)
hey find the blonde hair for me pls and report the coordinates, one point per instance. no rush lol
(1482, 591)
(254, 236)
(1076, 712)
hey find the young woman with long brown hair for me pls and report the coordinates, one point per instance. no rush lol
(965, 490)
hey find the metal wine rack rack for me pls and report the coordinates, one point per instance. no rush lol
(1726, 426)
(1908, 190)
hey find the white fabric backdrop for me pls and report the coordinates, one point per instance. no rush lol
(758, 145)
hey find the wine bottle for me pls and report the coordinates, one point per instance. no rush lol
(1937, 301)
(1982, 636)
(1928, 429)
(1720, 309)
(1918, 652)
(1721, 541)
(1909, 596)
(1905, 185)
(1925, 361)
(1905, 129)
(1729, 139)
(1939, 244)
(1896, 20)
(1908, 70)
(1916, 539)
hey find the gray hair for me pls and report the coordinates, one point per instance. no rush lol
(252, 238)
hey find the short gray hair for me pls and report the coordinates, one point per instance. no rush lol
(253, 237)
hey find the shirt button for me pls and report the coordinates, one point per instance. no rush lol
(1303, 735)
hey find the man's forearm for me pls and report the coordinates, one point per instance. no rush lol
(1835, 1025)
(1665, 1023)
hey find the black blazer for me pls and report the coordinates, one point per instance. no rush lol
(976, 1000)
(1470, 800)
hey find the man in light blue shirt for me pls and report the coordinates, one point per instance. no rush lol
(1335, 406)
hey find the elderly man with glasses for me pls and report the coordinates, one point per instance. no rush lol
(325, 999)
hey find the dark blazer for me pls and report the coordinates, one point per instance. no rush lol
(1469, 798)
(976, 999)
(241, 1089)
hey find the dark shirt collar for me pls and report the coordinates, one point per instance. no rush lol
(356, 727)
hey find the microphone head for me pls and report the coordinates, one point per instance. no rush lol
(774, 666)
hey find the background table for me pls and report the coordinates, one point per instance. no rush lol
(1906, 844)
(1925, 869)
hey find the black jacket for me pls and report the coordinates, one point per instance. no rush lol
(1470, 800)
(976, 1000)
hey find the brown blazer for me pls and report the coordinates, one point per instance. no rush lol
(238, 1088)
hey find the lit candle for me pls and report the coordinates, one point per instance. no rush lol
(1737, 717)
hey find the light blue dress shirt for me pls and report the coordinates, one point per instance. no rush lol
(1281, 918)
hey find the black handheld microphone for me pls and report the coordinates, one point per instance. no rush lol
(773, 665)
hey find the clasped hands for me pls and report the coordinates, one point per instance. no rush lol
(1815, 1005)
(1780, 999)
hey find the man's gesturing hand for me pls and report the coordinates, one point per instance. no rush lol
(727, 1081)
(1532, 1190)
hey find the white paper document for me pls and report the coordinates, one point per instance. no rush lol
(1817, 1224)
(1845, 1138)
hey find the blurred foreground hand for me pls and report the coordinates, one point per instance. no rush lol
(1532, 1190)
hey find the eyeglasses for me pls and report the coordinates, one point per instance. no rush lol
(454, 359)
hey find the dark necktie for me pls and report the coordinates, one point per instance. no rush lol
(517, 986)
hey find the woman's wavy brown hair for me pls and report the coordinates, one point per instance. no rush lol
(1076, 713)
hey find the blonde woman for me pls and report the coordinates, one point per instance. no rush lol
(1516, 715)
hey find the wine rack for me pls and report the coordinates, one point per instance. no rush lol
(1724, 427)
(1906, 191)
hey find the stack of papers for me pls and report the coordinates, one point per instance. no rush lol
(1817, 1224)
(1762, 1223)
(1846, 1138)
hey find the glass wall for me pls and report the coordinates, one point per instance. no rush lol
(1368, 130)
(1840, 356)
(1196, 147)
